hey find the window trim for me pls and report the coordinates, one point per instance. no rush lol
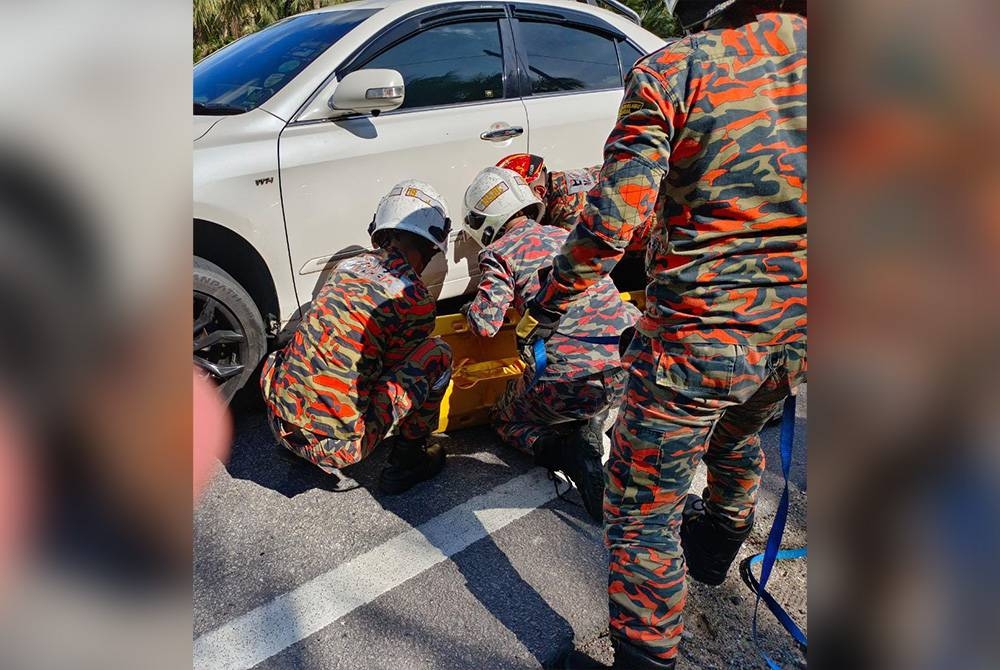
(559, 15)
(568, 19)
(625, 69)
(506, 77)
(409, 25)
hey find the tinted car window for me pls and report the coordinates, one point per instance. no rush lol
(562, 58)
(244, 74)
(629, 56)
(449, 64)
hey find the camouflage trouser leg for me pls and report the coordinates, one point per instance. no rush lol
(408, 395)
(524, 412)
(682, 402)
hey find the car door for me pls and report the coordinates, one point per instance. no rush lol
(571, 81)
(461, 112)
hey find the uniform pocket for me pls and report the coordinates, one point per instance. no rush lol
(695, 370)
(796, 364)
(635, 462)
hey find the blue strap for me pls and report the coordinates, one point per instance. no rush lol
(773, 550)
(541, 360)
(772, 604)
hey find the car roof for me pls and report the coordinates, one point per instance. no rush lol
(416, 4)
(355, 4)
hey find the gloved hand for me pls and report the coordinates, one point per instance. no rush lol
(464, 309)
(537, 323)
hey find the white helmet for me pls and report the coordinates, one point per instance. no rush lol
(496, 194)
(416, 207)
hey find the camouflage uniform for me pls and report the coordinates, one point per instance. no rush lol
(361, 360)
(581, 379)
(566, 198)
(710, 147)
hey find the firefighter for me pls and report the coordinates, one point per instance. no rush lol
(564, 193)
(565, 196)
(710, 146)
(363, 357)
(556, 415)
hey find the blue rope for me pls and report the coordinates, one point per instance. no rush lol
(773, 551)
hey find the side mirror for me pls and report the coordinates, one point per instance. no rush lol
(361, 92)
(369, 92)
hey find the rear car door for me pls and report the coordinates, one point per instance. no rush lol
(461, 112)
(572, 78)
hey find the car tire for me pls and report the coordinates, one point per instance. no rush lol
(229, 337)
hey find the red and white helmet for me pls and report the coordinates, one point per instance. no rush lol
(496, 195)
(532, 168)
(416, 207)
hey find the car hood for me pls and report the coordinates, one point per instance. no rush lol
(202, 124)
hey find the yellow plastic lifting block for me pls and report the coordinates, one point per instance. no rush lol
(483, 367)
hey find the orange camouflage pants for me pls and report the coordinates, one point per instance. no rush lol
(683, 403)
(408, 396)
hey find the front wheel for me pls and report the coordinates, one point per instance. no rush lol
(229, 337)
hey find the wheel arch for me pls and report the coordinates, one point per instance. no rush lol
(234, 254)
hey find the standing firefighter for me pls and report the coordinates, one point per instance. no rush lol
(558, 417)
(711, 145)
(363, 356)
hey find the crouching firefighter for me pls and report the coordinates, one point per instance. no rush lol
(555, 414)
(565, 196)
(363, 357)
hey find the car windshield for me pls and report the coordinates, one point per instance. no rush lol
(244, 74)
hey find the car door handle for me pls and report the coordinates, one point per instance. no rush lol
(501, 134)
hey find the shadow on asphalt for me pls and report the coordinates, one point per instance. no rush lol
(490, 577)
(501, 590)
(265, 463)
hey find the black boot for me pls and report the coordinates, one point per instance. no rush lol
(578, 660)
(709, 548)
(627, 657)
(630, 657)
(577, 455)
(410, 462)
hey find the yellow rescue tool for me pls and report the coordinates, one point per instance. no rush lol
(483, 367)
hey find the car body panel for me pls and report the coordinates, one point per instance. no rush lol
(236, 186)
(368, 156)
(569, 143)
(332, 173)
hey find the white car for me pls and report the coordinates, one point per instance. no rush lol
(300, 128)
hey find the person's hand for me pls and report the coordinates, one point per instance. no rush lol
(537, 323)
(212, 431)
(464, 309)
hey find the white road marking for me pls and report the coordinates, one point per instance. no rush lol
(293, 616)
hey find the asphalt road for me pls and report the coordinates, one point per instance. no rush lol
(482, 567)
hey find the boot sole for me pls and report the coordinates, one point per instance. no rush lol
(707, 581)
